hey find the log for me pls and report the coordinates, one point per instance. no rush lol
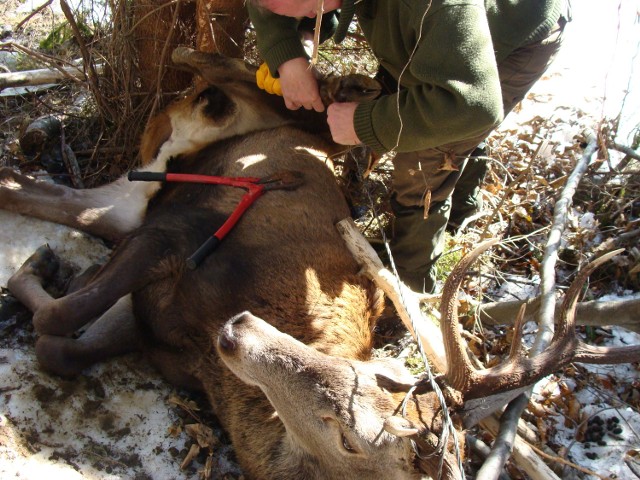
(404, 299)
(623, 313)
(41, 134)
(42, 76)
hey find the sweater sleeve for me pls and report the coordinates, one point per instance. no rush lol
(278, 37)
(454, 91)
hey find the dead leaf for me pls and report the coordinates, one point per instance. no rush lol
(193, 453)
(188, 405)
(205, 474)
(174, 431)
(202, 434)
(536, 409)
(573, 412)
(447, 164)
(427, 203)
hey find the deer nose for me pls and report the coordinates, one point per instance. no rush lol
(226, 341)
(239, 319)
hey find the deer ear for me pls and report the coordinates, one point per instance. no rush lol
(400, 427)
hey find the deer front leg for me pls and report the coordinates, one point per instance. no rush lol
(27, 283)
(108, 212)
(114, 333)
(132, 266)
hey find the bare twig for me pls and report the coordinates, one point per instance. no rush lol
(94, 82)
(70, 161)
(628, 151)
(163, 56)
(555, 458)
(33, 14)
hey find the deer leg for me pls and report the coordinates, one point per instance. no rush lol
(114, 333)
(108, 212)
(132, 266)
(27, 283)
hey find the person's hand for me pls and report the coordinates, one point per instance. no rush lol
(340, 120)
(266, 82)
(299, 85)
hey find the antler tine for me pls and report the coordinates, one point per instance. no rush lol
(461, 373)
(590, 353)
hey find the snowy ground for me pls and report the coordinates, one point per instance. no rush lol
(114, 422)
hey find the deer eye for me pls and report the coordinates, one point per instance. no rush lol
(347, 446)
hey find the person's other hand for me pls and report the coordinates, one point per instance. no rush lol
(340, 120)
(299, 85)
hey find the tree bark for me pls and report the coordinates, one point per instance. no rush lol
(220, 26)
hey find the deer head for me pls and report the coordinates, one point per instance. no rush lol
(350, 416)
(342, 417)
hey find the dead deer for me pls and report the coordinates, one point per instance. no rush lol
(276, 326)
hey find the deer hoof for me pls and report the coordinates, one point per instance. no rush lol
(53, 354)
(43, 263)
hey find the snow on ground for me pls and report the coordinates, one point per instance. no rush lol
(111, 423)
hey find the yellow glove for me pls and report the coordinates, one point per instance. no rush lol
(266, 82)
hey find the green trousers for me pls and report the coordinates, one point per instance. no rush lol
(426, 196)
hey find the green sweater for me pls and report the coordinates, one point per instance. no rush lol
(452, 90)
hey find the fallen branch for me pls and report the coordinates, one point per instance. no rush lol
(623, 313)
(628, 151)
(546, 314)
(43, 76)
(526, 458)
(33, 14)
(405, 300)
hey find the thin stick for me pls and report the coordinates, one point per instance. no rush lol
(32, 14)
(555, 458)
(316, 33)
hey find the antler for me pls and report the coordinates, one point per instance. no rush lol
(519, 370)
